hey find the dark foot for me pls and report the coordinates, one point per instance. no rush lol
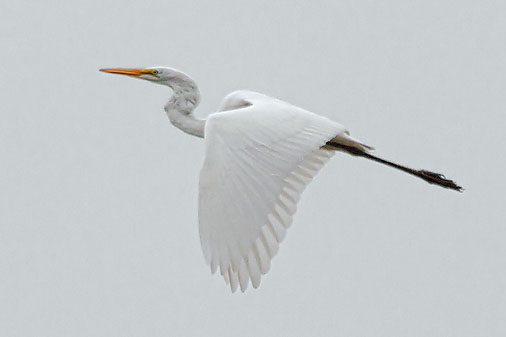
(439, 179)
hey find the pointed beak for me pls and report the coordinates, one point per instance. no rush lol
(129, 71)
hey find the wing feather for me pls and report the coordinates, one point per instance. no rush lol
(259, 159)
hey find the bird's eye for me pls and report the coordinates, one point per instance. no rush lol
(155, 72)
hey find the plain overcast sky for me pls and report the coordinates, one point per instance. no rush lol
(98, 192)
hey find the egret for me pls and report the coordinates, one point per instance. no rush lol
(260, 154)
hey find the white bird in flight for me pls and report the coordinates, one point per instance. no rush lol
(260, 154)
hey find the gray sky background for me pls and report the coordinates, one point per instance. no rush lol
(98, 192)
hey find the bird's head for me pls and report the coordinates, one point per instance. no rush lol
(160, 75)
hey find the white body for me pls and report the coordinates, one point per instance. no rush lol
(260, 154)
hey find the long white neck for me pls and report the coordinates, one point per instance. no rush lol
(181, 105)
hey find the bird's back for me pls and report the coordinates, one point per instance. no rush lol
(240, 99)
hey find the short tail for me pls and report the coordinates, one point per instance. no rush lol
(428, 176)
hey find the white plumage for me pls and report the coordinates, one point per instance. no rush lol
(260, 155)
(258, 161)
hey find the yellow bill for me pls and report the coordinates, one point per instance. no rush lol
(130, 71)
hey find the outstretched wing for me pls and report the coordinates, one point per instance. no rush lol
(259, 158)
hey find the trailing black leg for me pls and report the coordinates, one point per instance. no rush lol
(428, 176)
